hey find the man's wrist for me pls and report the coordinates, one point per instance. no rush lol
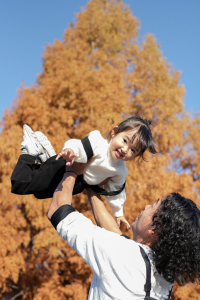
(63, 193)
(61, 213)
(71, 172)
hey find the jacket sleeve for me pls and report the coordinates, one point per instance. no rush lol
(94, 244)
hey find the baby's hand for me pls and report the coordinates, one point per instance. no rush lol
(68, 155)
(122, 219)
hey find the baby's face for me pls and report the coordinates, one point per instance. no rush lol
(122, 147)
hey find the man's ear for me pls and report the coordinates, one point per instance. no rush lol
(152, 233)
(113, 131)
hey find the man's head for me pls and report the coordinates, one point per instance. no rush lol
(176, 226)
(142, 227)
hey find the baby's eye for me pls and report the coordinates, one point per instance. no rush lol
(124, 141)
(133, 150)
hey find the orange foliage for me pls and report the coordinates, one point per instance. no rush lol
(98, 75)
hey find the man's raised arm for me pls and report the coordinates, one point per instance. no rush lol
(63, 193)
(102, 217)
(62, 199)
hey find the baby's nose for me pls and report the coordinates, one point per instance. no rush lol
(125, 149)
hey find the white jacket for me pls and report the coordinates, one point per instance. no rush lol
(119, 268)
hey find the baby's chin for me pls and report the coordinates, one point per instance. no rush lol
(119, 157)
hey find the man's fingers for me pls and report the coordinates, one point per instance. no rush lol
(79, 168)
(104, 181)
(91, 159)
(71, 157)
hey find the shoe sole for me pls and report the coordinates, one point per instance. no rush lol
(31, 137)
(45, 143)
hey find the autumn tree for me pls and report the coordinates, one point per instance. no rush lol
(93, 79)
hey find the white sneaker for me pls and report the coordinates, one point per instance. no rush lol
(46, 145)
(30, 142)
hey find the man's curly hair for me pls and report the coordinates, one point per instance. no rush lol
(177, 249)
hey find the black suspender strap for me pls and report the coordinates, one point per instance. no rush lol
(126, 236)
(101, 191)
(170, 292)
(147, 286)
(89, 152)
(87, 147)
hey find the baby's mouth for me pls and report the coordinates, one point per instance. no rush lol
(119, 154)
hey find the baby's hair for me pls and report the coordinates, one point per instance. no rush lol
(143, 133)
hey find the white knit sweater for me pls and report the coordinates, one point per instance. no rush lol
(119, 269)
(102, 167)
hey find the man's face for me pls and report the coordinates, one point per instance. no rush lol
(142, 226)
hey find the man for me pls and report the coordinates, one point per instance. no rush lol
(119, 264)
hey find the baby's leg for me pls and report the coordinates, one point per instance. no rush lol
(38, 179)
(24, 172)
(36, 144)
(29, 177)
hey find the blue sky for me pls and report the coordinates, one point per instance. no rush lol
(27, 26)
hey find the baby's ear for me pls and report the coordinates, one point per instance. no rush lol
(114, 130)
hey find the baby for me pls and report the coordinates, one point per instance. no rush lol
(129, 140)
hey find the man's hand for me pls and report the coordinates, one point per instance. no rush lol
(68, 155)
(63, 192)
(79, 168)
(122, 219)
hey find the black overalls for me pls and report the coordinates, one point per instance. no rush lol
(41, 180)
